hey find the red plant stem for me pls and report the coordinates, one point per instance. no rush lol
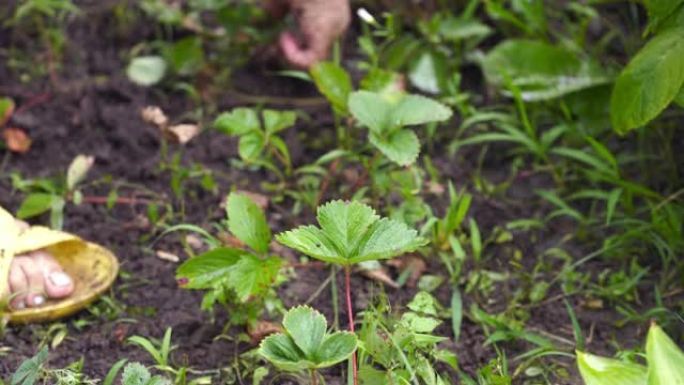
(118, 200)
(350, 312)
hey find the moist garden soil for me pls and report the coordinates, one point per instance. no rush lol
(89, 107)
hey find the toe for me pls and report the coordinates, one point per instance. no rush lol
(57, 283)
(36, 287)
(18, 283)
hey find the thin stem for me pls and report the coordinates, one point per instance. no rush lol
(314, 379)
(350, 312)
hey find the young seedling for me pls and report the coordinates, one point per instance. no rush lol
(306, 344)
(350, 233)
(246, 276)
(388, 115)
(257, 133)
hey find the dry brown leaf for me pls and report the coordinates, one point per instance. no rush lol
(435, 188)
(195, 242)
(262, 330)
(182, 133)
(412, 262)
(380, 275)
(17, 140)
(154, 115)
(166, 256)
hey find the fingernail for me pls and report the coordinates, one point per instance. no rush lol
(38, 300)
(59, 278)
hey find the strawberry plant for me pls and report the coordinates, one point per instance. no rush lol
(257, 131)
(306, 344)
(351, 233)
(235, 275)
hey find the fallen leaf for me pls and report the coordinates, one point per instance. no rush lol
(182, 133)
(195, 242)
(166, 256)
(411, 262)
(435, 188)
(154, 115)
(381, 275)
(263, 329)
(17, 140)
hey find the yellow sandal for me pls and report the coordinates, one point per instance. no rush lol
(92, 268)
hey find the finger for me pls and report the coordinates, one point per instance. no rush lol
(18, 283)
(56, 282)
(34, 276)
(295, 54)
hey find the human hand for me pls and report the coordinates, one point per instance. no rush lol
(320, 23)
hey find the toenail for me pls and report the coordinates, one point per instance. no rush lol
(60, 279)
(21, 305)
(38, 300)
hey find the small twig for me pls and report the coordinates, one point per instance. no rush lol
(34, 101)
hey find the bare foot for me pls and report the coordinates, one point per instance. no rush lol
(35, 277)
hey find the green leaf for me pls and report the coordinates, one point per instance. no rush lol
(276, 121)
(281, 351)
(336, 348)
(419, 324)
(680, 98)
(29, 370)
(659, 10)
(186, 56)
(209, 269)
(370, 109)
(334, 83)
(135, 374)
(247, 222)
(597, 370)
(252, 276)
(424, 303)
(416, 109)
(650, 82)
(307, 345)
(540, 71)
(665, 359)
(35, 204)
(114, 371)
(6, 110)
(307, 328)
(351, 233)
(401, 147)
(146, 70)
(457, 29)
(238, 122)
(429, 72)
(251, 145)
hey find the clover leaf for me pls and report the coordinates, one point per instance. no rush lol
(351, 232)
(306, 344)
(387, 115)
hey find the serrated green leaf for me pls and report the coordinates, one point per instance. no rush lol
(251, 145)
(371, 110)
(238, 122)
(413, 110)
(146, 70)
(251, 276)
(419, 324)
(597, 370)
(351, 233)
(209, 269)
(424, 303)
(247, 222)
(334, 83)
(665, 359)
(135, 374)
(401, 147)
(307, 328)
(650, 82)
(276, 121)
(281, 351)
(336, 347)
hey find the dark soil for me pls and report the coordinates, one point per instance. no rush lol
(73, 114)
